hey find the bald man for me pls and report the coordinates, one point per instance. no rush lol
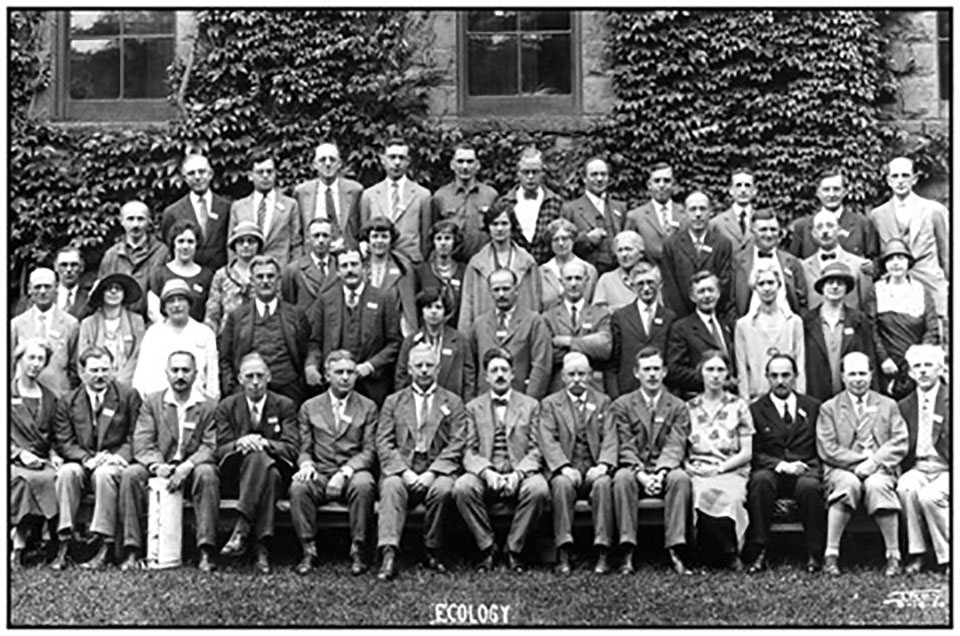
(202, 206)
(330, 196)
(137, 253)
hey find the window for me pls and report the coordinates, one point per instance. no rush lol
(943, 53)
(519, 62)
(113, 65)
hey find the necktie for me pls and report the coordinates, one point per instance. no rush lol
(743, 222)
(262, 213)
(322, 266)
(501, 320)
(337, 406)
(394, 199)
(573, 316)
(763, 254)
(582, 410)
(97, 405)
(664, 216)
(787, 419)
(351, 298)
(255, 416)
(331, 207)
(717, 334)
(43, 325)
(826, 256)
(202, 215)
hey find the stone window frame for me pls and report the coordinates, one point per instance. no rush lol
(944, 54)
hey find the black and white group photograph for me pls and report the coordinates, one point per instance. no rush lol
(393, 317)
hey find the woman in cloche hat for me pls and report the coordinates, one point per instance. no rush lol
(231, 283)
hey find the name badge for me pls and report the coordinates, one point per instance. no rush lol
(393, 271)
(591, 406)
(586, 325)
(273, 419)
(446, 352)
(848, 331)
(372, 305)
(54, 335)
(108, 412)
(213, 215)
(197, 287)
(189, 426)
(455, 282)
(658, 321)
(937, 417)
(501, 334)
(870, 409)
(659, 419)
(128, 338)
(706, 248)
(346, 418)
(279, 206)
(673, 223)
(445, 409)
(801, 412)
(16, 401)
(844, 232)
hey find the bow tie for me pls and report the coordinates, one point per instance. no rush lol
(826, 256)
(499, 401)
(762, 254)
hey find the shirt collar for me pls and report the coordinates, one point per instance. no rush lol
(707, 320)
(854, 398)
(430, 390)
(641, 306)
(194, 398)
(521, 198)
(577, 400)
(401, 182)
(506, 396)
(579, 304)
(473, 186)
(91, 394)
(262, 305)
(931, 394)
(737, 209)
(597, 201)
(651, 402)
(196, 198)
(259, 404)
(358, 290)
(790, 402)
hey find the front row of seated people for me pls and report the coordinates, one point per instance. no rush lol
(718, 463)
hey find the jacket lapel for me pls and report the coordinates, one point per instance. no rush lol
(110, 402)
(431, 424)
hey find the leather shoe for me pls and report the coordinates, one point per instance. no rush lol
(357, 565)
(206, 563)
(627, 566)
(486, 561)
(814, 564)
(235, 545)
(759, 564)
(734, 564)
(434, 562)
(306, 565)
(830, 566)
(130, 562)
(676, 562)
(62, 560)
(99, 560)
(563, 562)
(262, 562)
(388, 568)
(914, 567)
(603, 562)
(893, 567)
(514, 563)
(16, 559)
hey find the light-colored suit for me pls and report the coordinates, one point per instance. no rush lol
(728, 224)
(63, 332)
(413, 221)
(527, 338)
(347, 205)
(861, 297)
(284, 240)
(646, 223)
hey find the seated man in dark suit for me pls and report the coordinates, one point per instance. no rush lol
(641, 324)
(420, 438)
(652, 428)
(210, 211)
(275, 329)
(338, 449)
(598, 217)
(175, 439)
(257, 442)
(785, 462)
(579, 447)
(94, 432)
(502, 462)
(691, 336)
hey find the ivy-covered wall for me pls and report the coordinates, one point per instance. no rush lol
(786, 91)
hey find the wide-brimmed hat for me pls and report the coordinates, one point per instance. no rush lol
(131, 289)
(176, 287)
(895, 247)
(837, 271)
(245, 228)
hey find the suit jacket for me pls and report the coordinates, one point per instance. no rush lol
(476, 298)
(284, 241)
(681, 260)
(413, 222)
(775, 442)
(236, 340)
(348, 206)
(861, 297)
(650, 441)
(301, 282)
(837, 427)
(76, 439)
(794, 282)
(591, 337)
(63, 332)
(586, 217)
(400, 281)
(131, 331)
(910, 410)
(644, 221)
(445, 433)
(857, 236)
(627, 338)
(455, 361)
(157, 433)
(278, 425)
(857, 336)
(728, 224)
(551, 209)
(28, 432)
(327, 446)
(212, 246)
(527, 338)
(78, 308)
(689, 338)
(558, 430)
(522, 429)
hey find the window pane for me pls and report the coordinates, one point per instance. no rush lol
(493, 65)
(491, 21)
(145, 65)
(94, 23)
(545, 20)
(943, 24)
(545, 64)
(152, 22)
(94, 69)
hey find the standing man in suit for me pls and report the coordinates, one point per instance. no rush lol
(210, 211)
(174, 439)
(277, 215)
(765, 248)
(306, 278)
(785, 462)
(257, 444)
(275, 329)
(826, 234)
(735, 223)
(401, 201)
(94, 430)
(576, 326)
(74, 288)
(598, 217)
(420, 440)
(700, 247)
(831, 331)
(691, 336)
(363, 320)
(652, 427)
(861, 438)
(579, 446)
(521, 332)
(924, 486)
(502, 462)
(338, 450)
(137, 253)
(920, 223)
(659, 217)
(464, 201)
(640, 324)
(534, 205)
(330, 197)
(58, 328)
(856, 234)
